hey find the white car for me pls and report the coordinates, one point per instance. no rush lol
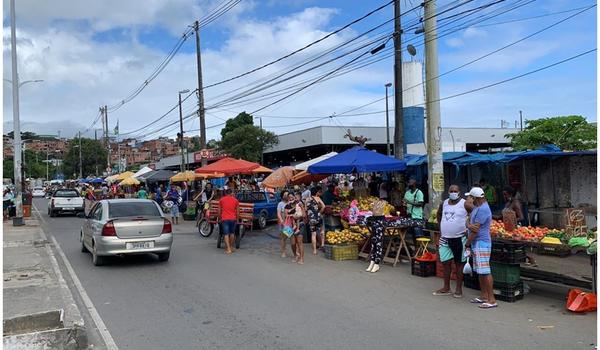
(38, 192)
(65, 200)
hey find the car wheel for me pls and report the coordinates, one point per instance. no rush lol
(97, 260)
(262, 220)
(164, 256)
(205, 228)
(83, 248)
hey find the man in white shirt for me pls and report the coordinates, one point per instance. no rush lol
(452, 217)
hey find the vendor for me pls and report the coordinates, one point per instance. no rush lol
(376, 224)
(414, 202)
(328, 196)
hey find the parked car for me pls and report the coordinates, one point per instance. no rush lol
(126, 227)
(265, 205)
(38, 192)
(65, 200)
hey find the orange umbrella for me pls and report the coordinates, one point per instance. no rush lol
(262, 170)
(229, 166)
(279, 177)
(304, 177)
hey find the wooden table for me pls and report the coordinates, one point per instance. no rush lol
(397, 237)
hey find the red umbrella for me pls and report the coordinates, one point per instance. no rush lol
(229, 166)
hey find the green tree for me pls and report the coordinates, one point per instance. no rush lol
(8, 169)
(237, 122)
(93, 157)
(248, 142)
(569, 133)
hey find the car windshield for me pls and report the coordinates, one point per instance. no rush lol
(125, 209)
(66, 193)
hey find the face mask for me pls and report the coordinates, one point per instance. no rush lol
(453, 196)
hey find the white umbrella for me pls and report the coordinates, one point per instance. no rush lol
(305, 165)
(142, 171)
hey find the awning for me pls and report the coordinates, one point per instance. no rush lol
(142, 171)
(229, 166)
(304, 177)
(357, 160)
(129, 181)
(305, 165)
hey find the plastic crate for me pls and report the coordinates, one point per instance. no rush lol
(508, 252)
(472, 281)
(509, 292)
(560, 250)
(423, 268)
(506, 273)
(341, 252)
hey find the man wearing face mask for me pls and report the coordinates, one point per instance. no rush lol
(452, 217)
(479, 242)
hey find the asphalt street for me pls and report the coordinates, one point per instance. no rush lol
(254, 299)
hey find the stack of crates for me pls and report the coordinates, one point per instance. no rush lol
(506, 269)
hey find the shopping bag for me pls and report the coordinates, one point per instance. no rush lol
(579, 301)
(467, 270)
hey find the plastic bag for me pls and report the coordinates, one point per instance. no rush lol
(467, 270)
(578, 242)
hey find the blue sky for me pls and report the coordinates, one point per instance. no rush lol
(94, 53)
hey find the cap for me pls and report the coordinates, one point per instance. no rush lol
(476, 192)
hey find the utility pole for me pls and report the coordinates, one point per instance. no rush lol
(521, 118)
(387, 121)
(107, 139)
(435, 165)
(47, 179)
(80, 161)
(398, 115)
(201, 111)
(262, 156)
(18, 219)
(181, 129)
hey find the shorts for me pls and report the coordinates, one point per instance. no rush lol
(174, 211)
(481, 257)
(452, 248)
(228, 227)
(300, 230)
(315, 226)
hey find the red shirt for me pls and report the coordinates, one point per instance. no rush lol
(229, 205)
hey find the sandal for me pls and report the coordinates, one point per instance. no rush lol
(488, 306)
(458, 296)
(440, 293)
(477, 301)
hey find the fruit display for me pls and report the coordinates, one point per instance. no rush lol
(523, 233)
(343, 236)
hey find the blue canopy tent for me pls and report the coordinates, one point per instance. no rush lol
(357, 160)
(97, 180)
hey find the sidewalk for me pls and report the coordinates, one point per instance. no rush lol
(39, 309)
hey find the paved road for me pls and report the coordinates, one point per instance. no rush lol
(254, 299)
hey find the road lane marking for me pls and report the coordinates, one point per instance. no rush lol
(104, 333)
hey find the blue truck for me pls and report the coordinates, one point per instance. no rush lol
(265, 205)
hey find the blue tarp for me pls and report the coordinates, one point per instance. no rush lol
(357, 159)
(97, 180)
(471, 158)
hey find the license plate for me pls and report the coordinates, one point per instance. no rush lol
(140, 245)
(68, 208)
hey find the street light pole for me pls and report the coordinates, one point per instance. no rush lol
(387, 120)
(80, 162)
(18, 219)
(181, 130)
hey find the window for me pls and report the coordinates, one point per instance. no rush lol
(66, 193)
(125, 209)
(96, 212)
(271, 196)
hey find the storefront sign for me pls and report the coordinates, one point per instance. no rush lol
(438, 182)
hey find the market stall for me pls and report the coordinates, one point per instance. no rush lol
(354, 209)
(128, 185)
(229, 166)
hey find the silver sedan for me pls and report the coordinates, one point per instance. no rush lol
(126, 226)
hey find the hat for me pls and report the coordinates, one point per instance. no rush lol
(476, 192)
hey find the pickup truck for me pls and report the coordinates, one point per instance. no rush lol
(265, 205)
(65, 201)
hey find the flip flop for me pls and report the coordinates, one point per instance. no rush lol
(477, 301)
(488, 306)
(458, 296)
(438, 293)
